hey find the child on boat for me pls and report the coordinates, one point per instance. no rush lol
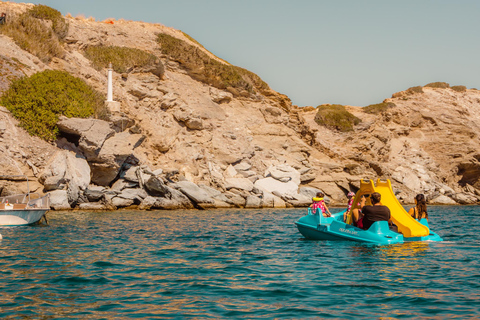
(420, 210)
(357, 212)
(350, 197)
(319, 204)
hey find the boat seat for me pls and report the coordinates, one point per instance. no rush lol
(19, 206)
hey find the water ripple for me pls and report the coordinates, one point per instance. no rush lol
(232, 264)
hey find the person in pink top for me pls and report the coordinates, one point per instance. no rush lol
(319, 204)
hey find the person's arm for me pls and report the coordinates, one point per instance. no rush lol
(411, 212)
(326, 208)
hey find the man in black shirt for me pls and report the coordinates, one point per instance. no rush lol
(375, 212)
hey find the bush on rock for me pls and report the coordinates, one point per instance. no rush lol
(38, 100)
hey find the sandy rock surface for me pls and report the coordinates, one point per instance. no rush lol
(182, 135)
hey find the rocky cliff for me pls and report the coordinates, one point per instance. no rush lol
(180, 142)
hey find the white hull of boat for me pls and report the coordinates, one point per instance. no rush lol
(21, 217)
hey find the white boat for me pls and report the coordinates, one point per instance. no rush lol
(23, 209)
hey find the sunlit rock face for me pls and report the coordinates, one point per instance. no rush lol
(177, 139)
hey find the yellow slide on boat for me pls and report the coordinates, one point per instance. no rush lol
(407, 225)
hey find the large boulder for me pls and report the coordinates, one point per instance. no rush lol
(465, 198)
(69, 169)
(147, 203)
(112, 156)
(175, 200)
(59, 200)
(309, 192)
(235, 199)
(94, 193)
(442, 199)
(272, 185)
(156, 187)
(193, 192)
(133, 194)
(54, 183)
(300, 200)
(120, 202)
(283, 173)
(121, 184)
(253, 202)
(92, 133)
(238, 183)
(94, 206)
(272, 201)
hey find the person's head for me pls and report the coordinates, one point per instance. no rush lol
(350, 195)
(320, 194)
(421, 203)
(420, 198)
(376, 197)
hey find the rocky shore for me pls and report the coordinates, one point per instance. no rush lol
(177, 142)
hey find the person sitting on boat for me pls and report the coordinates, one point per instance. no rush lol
(357, 212)
(375, 212)
(350, 197)
(319, 204)
(420, 210)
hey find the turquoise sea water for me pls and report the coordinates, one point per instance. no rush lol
(232, 264)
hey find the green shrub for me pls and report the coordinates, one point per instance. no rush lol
(441, 85)
(122, 58)
(378, 108)
(204, 68)
(417, 89)
(336, 117)
(35, 36)
(38, 100)
(459, 88)
(59, 25)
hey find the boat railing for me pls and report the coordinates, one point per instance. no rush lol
(16, 198)
(30, 200)
(41, 202)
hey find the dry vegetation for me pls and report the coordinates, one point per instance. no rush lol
(38, 31)
(122, 58)
(378, 108)
(208, 70)
(336, 117)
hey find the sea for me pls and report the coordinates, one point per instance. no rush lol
(233, 264)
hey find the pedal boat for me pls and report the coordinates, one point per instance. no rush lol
(316, 226)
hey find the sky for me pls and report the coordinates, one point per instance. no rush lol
(350, 52)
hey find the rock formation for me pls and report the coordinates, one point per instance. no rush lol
(181, 143)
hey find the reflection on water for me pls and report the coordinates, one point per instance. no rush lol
(228, 264)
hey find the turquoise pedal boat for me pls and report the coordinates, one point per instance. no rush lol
(317, 227)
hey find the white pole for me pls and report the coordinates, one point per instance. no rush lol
(110, 85)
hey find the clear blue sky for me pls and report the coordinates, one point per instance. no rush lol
(339, 51)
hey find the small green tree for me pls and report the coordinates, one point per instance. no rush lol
(459, 88)
(122, 58)
(38, 100)
(336, 117)
(378, 108)
(441, 85)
